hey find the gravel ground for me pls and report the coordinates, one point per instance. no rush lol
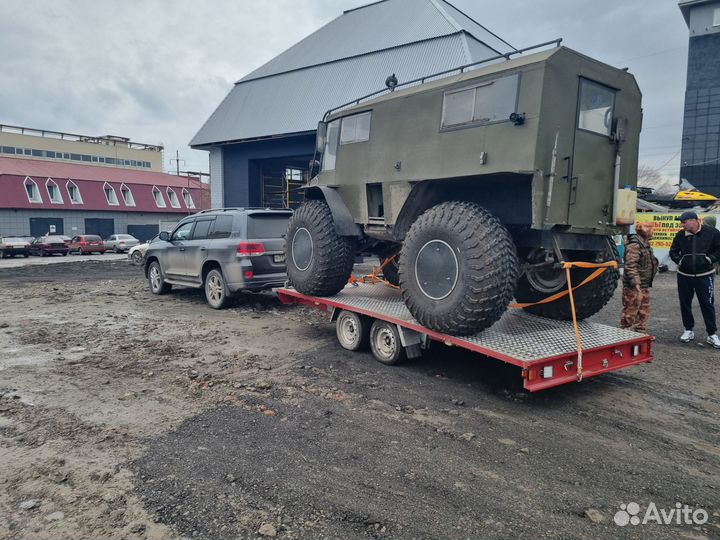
(126, 415)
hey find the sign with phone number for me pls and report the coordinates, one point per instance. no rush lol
(665, 227)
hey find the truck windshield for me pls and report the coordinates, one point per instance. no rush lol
(333, 132)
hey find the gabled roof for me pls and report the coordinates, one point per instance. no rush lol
(349, 57)
(376, 27)
(55, 169)
(91, 181)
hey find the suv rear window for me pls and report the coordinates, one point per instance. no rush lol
(267, 225)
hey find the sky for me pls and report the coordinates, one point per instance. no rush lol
(154, 70)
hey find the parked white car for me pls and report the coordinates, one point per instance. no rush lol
(121, 242)
(136, 254)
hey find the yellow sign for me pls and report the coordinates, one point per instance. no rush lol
(665, 227)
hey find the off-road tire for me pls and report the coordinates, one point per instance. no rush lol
(589, 299)
(325, 271)
(485, 272)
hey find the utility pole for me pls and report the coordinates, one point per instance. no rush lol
(177, 161)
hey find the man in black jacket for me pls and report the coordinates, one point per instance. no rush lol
(695, 250)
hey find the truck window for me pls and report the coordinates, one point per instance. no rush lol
(331, 146)
(596, 107)
(486, 103)
(355, 128)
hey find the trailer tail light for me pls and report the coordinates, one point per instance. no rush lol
(248, 274)
(636, 350)
(250, 248)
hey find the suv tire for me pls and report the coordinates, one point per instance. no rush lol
(319, 260)
(589, 299)
(155, 279)
(458, 268)
(216, 292)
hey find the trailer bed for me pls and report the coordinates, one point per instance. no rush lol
(544, 349)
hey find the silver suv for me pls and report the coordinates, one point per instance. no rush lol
(222, 251)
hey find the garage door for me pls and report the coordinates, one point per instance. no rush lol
(41, 226)
(143, 232)
(104, 228)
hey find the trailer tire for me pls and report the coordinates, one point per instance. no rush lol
(319, 260)
(458, 268)
(385, 343)
(353, 330)
(589, 299)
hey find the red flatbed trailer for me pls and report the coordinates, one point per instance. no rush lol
(544, 349)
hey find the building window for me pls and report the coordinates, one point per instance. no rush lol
(174, 201)
(159, 200)
(73, 192)
(110, 195)
(127, 195)
(32, 191)
(189, 203)
(355, 128)
(53, 191)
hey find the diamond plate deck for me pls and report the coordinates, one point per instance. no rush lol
(517, 334)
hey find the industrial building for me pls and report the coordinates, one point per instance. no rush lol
(262, 135)
(107, 150)
(700, 156)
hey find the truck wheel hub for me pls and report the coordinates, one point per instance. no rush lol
(436, 269)
(302, 249)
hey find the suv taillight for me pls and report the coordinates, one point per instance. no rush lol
(250, 248)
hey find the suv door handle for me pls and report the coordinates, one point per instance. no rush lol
(203, 249)
(181, 249)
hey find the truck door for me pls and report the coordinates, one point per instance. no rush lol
(593, 161)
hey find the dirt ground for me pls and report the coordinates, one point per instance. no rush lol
(127, 415)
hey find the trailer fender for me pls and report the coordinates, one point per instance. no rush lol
(343, 220)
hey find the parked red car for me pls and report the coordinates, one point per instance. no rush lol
(48, 245)
(86, 243)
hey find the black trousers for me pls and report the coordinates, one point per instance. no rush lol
(704, 288)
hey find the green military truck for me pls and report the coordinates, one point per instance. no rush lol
(478, 184)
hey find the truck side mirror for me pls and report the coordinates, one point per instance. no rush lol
(314, 168)
(321, 137)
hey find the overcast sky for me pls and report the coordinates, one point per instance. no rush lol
(155, 70)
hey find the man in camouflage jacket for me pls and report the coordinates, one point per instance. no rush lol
(640, 269)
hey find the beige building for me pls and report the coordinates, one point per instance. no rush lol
(103, 151)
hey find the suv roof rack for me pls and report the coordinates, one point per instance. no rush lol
(230, 209)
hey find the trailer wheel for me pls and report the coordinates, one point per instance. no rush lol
(458, 268)
(385, 343)
(319, 260)
(353, 330)
(589, 299)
